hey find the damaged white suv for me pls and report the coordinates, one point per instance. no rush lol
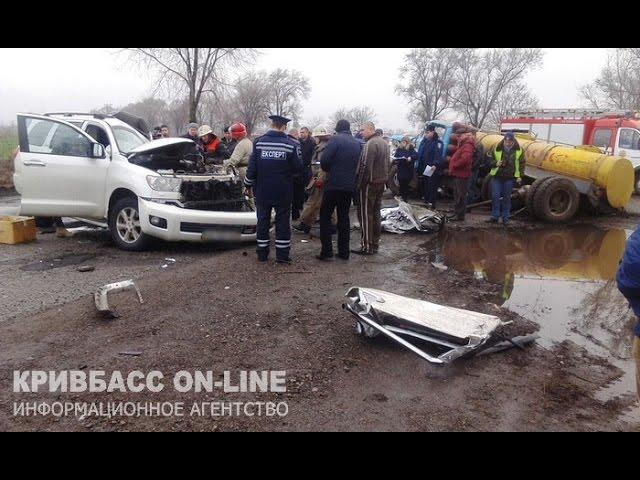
(102, 171)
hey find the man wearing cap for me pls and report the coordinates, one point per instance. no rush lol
(507, 169)
(340, 161)
(315, 185)
(373, 172)
(274, 162)
(228, 143)
(460, 169)
(629, 284)
(192, 132)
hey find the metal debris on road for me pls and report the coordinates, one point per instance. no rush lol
(450, 332)
(86, 268)
(130, 354)
(406, 217)
(101, 300)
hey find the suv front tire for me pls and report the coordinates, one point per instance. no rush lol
(124, 224)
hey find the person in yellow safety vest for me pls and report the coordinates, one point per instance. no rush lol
(508, 168)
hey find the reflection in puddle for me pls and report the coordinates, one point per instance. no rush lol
(561, 278)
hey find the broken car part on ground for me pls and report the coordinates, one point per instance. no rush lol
(450, 332)
(102, 301)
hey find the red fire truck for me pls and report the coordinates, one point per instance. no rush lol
(615, 132)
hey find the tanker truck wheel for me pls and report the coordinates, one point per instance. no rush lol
(637, 184)
(557, 200)
(531, 193)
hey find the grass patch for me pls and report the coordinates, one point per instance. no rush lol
(8, 143)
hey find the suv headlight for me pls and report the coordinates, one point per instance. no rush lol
(164, 184)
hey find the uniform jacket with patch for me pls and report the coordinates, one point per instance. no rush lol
(274, 162)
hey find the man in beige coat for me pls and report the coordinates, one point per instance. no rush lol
(242, 153)
(373, 172)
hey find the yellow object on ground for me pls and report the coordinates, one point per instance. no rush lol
(15, 230)
(614, 175)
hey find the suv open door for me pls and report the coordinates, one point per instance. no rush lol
(61, 170)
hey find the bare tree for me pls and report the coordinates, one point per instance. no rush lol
(357, 116)
(251, 99)
(483, 76)
(430, 76)
(515, 97)
(153, 110)
(618, 85)
(195, 71)
(287, 88)
(315, 121)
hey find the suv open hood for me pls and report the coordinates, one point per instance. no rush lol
(167, 144)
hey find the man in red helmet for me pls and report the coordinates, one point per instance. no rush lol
(243, 150)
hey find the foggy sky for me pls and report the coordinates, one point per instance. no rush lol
(41, 80)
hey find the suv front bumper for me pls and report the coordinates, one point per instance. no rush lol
(197, 225)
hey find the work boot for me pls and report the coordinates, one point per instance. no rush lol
(361, 252)
(493, 220)
(302, 228)
(284, 261)
(324, 258)
(62, 232)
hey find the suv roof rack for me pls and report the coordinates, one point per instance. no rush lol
(99, 116)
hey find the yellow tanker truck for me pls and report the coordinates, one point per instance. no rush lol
(558, 178)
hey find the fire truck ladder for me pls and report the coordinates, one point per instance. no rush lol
(572, 114)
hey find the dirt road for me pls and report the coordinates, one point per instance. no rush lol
(221, 310)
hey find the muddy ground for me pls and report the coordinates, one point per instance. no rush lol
(219, 310)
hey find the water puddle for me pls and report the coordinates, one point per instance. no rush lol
(561, 278)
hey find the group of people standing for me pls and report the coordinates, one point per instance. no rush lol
(350, 169)
(506, 165)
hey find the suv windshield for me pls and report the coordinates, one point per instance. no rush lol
(127, 140)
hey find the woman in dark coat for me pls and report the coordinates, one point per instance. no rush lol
(405, 157)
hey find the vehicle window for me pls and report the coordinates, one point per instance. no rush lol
(602, 137)
(98, 134)
(38, 132)
(629, 139)
(127, 140)
(58, 140)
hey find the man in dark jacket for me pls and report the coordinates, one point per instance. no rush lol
(405, 157)
(507, 169)
(227, 143)
(430, 155)
(460, 169)
(307, 147)
(274, 162)
(629, 285)
(340, 160)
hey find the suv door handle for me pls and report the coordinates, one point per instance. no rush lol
(34, 163)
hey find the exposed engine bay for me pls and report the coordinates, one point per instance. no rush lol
(205, 185)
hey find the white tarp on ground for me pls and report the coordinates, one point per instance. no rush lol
(406, 217)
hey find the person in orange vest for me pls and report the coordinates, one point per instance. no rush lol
(209, 141)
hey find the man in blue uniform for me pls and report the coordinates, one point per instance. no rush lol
(275, 160)
(629, 285)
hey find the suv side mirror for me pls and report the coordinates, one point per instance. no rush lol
(97, 150)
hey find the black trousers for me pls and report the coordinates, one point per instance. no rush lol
(283, 230)
(340, 201)
(404, 189)
(298, 197)
(431, 185)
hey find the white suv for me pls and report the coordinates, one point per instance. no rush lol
(101, 170)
